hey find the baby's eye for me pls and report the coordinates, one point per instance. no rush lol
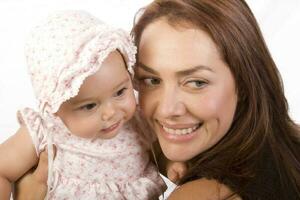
(120, 92)
(196, 84)
(88, 107)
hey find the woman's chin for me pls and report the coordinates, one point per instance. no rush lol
(174, 152)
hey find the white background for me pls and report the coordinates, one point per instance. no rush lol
(279, 20)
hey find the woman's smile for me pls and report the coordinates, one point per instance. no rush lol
(180, 128)
(179, 132)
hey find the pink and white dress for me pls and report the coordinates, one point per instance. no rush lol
(118, 168)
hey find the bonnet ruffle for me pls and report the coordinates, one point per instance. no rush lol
(65, 49)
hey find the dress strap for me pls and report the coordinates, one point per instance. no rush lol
(52, 179)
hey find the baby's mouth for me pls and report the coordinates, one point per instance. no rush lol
(111, 127)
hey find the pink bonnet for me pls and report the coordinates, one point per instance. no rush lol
(65, 49)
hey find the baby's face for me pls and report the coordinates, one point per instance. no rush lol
(104, 103)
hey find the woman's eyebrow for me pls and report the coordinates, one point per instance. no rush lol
(185, 72)
(146, 68)
(193, 70)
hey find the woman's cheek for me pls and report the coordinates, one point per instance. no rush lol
(146, 101)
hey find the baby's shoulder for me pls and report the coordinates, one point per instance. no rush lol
(202, 189)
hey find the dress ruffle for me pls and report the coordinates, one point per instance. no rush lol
(36, 127)
(115, 169)
(148, 187)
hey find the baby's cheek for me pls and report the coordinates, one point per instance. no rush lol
(86, 128)
(129, 107)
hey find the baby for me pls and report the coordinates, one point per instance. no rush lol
(86, 107)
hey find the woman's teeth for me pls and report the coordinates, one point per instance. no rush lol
(183, 131)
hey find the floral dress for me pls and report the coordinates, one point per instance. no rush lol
(117, 168)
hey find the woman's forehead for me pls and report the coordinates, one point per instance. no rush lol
(163, 45)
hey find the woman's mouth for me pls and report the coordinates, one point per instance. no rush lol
(182, 133)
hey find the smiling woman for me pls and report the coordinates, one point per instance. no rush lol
(187, 91)
(209, 88)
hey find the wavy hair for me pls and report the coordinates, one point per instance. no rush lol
(259, 157)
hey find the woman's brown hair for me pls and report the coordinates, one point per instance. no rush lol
(259, 158)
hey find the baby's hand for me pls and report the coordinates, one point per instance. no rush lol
(176, 170)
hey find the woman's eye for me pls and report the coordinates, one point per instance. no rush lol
(120, 92)
(88, 107)
(151, 81)
(196, 84)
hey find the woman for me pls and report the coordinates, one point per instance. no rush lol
(211, 92)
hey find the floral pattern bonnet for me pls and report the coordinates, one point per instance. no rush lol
(65, 49)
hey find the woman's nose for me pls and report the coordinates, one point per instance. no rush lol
(107, 111)
(171, 104)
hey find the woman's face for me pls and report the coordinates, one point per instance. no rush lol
(187, 93)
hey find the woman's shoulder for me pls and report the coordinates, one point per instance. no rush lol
(202, 189)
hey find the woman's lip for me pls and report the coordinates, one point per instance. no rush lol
(177, 138)
(111, 128)
(178, 126)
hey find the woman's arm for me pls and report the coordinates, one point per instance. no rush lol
(17, 155)
(33, 185)
(203, 189)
